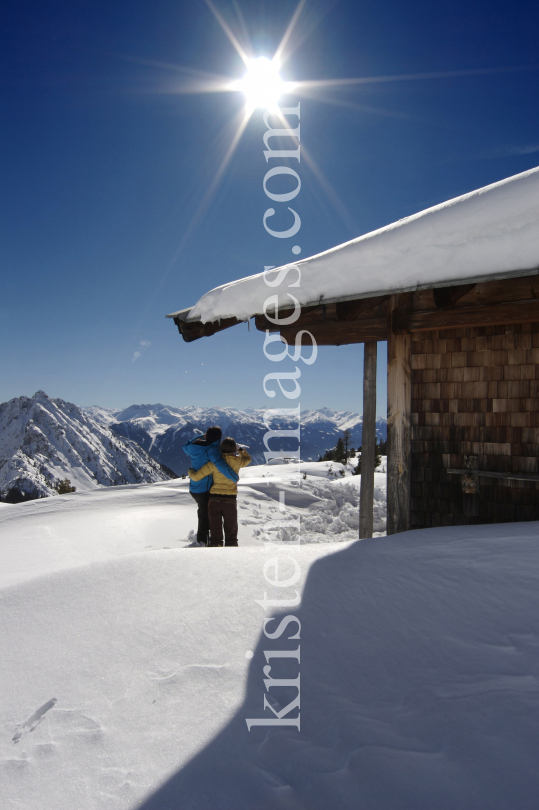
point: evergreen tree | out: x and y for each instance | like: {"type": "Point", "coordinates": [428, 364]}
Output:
{"type": "Point", "coordinates": [377, 459]}
{"type": "Point", "coordinates": [340, 453]}
{"type": "Point", "coordinates": [17, 495]}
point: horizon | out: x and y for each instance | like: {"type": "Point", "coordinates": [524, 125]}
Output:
{"type": "Point", "coordinates": [179, 407]}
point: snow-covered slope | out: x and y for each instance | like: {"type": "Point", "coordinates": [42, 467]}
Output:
{"type": "Point", "coordinates": [128, 673]}
{"type": "Point", "coordinates": [163, 430]}
{"type": "Point", "coordinates": [43, 441]}
{"type": "Point", "coordinates": [493, 231]}
{"type": "Point", "coordinates": [103, 415]}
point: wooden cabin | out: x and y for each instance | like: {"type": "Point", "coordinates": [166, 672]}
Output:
{"type": "Point", "coordinates": [454, 291]}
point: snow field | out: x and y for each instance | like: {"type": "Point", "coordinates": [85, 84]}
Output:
{"type": "Point", "coordinates": [128, 669]}
{"type": "Point", "coordinates": [67, 531]}
{"type": "Point", "coordinates": [107, 613]}
{"type": "Point", "coordinates": [145, 656]}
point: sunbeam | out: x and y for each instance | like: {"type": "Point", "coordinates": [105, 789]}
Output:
{"type": "Point", "coordinates": [288, 33]}
{"type": "Point", "coordinates": [323, 182]}
{"type": "Point", "coordinates": [408, 77]}
{"type": "Point", "coordinates": [201, 80]}
{"type": "Point", "coordinates": [360, 107]}
{"type": "Point", "coordinates": [203, 206]}
{"type": "Point", "coordinates": [328, 189]}
{"type": "Point", "coordinates": [242, 23]}
{"type": "Point", "coordinates": [221, 170]}
{"type": "Point", "coordinates": [229, 33]}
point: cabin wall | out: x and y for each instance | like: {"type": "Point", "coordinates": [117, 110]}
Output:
{"type": "Point", "coordinates": [475, 391]}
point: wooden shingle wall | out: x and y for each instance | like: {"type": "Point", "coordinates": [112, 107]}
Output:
{"type": "Point", "coordinates": [475, 391]}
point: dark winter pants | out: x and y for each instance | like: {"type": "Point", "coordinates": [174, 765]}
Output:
{"type": "Point", "coordinates": [223, 510]}
{"type": "Point", "coordinates": [203, 530]}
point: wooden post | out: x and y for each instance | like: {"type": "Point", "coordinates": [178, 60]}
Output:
{"type": "Point", "coordinates": [368, 440]}
{"type": "Point", "coordinates": [399, 405]}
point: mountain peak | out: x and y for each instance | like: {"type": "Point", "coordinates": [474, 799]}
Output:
{"type": "Point", "coordinates": [163, 433]}
{"type": "Point", "coordinates": [46, 440]}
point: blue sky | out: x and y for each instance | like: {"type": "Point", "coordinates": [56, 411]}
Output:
{"type": "Point", "coordinates": [104, 165]}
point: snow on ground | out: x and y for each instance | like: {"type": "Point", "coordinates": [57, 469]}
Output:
{"type": "Point", "coordinates": [128, 669]}
{"type": "Point", "coordinates": [328, 494]}
{"type": "Point", "coordinates": [81, 528]}
{"type": "Point", "coordinates": [491, 231]}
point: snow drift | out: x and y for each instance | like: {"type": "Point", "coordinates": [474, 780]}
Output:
{"type": "Point", "coordinates": [126, 683]}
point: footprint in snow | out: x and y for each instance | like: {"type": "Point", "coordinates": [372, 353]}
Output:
{"type": "Point", "coordinates": [33, 721]}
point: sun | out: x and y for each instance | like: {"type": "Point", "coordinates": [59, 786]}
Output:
{"type": "Point", "coordinates": [262, 85]}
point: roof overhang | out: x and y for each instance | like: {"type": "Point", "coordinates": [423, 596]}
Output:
{"type": "Point", "coordinates": [487, 235]}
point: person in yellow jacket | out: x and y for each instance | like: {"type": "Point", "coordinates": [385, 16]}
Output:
{"type": "Point", "coordinates": [222, 507]}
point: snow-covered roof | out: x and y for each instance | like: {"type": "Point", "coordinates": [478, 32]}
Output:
{"type": "Point", "coordinates": [492, 232]}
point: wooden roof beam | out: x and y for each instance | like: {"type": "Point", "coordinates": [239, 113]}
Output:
{"type": "Point", "coordinates": [357, 321]}
{"type": "Point", "coordinates": [339, 334]}
{"type": "Point", "coordinates": [448, 296]}
{"type": "Point", "coordinates": [405, 321]}
{"type": "Point", "coordinates": [195, 330]}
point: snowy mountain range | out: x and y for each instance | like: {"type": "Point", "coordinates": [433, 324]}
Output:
{"type": "Point", "coordinates": [162, 430]}
{"type": "Point", "coordinates": [44, 440]}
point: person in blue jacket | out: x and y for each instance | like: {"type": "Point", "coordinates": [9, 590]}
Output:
{"type": "Point", "coordinates": [202, 449]}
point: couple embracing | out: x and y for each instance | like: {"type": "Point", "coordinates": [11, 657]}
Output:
{"type": "Point", "coordinates": [214, 477]}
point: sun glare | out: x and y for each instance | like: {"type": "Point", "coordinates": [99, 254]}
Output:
{"type": "Point", "coordinates": [263, 87]}
{"type": "Point", "coordinates": [262, 84]}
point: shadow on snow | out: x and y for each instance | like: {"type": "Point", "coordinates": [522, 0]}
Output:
{"type": "Point", "coordinates": [418, 664]}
